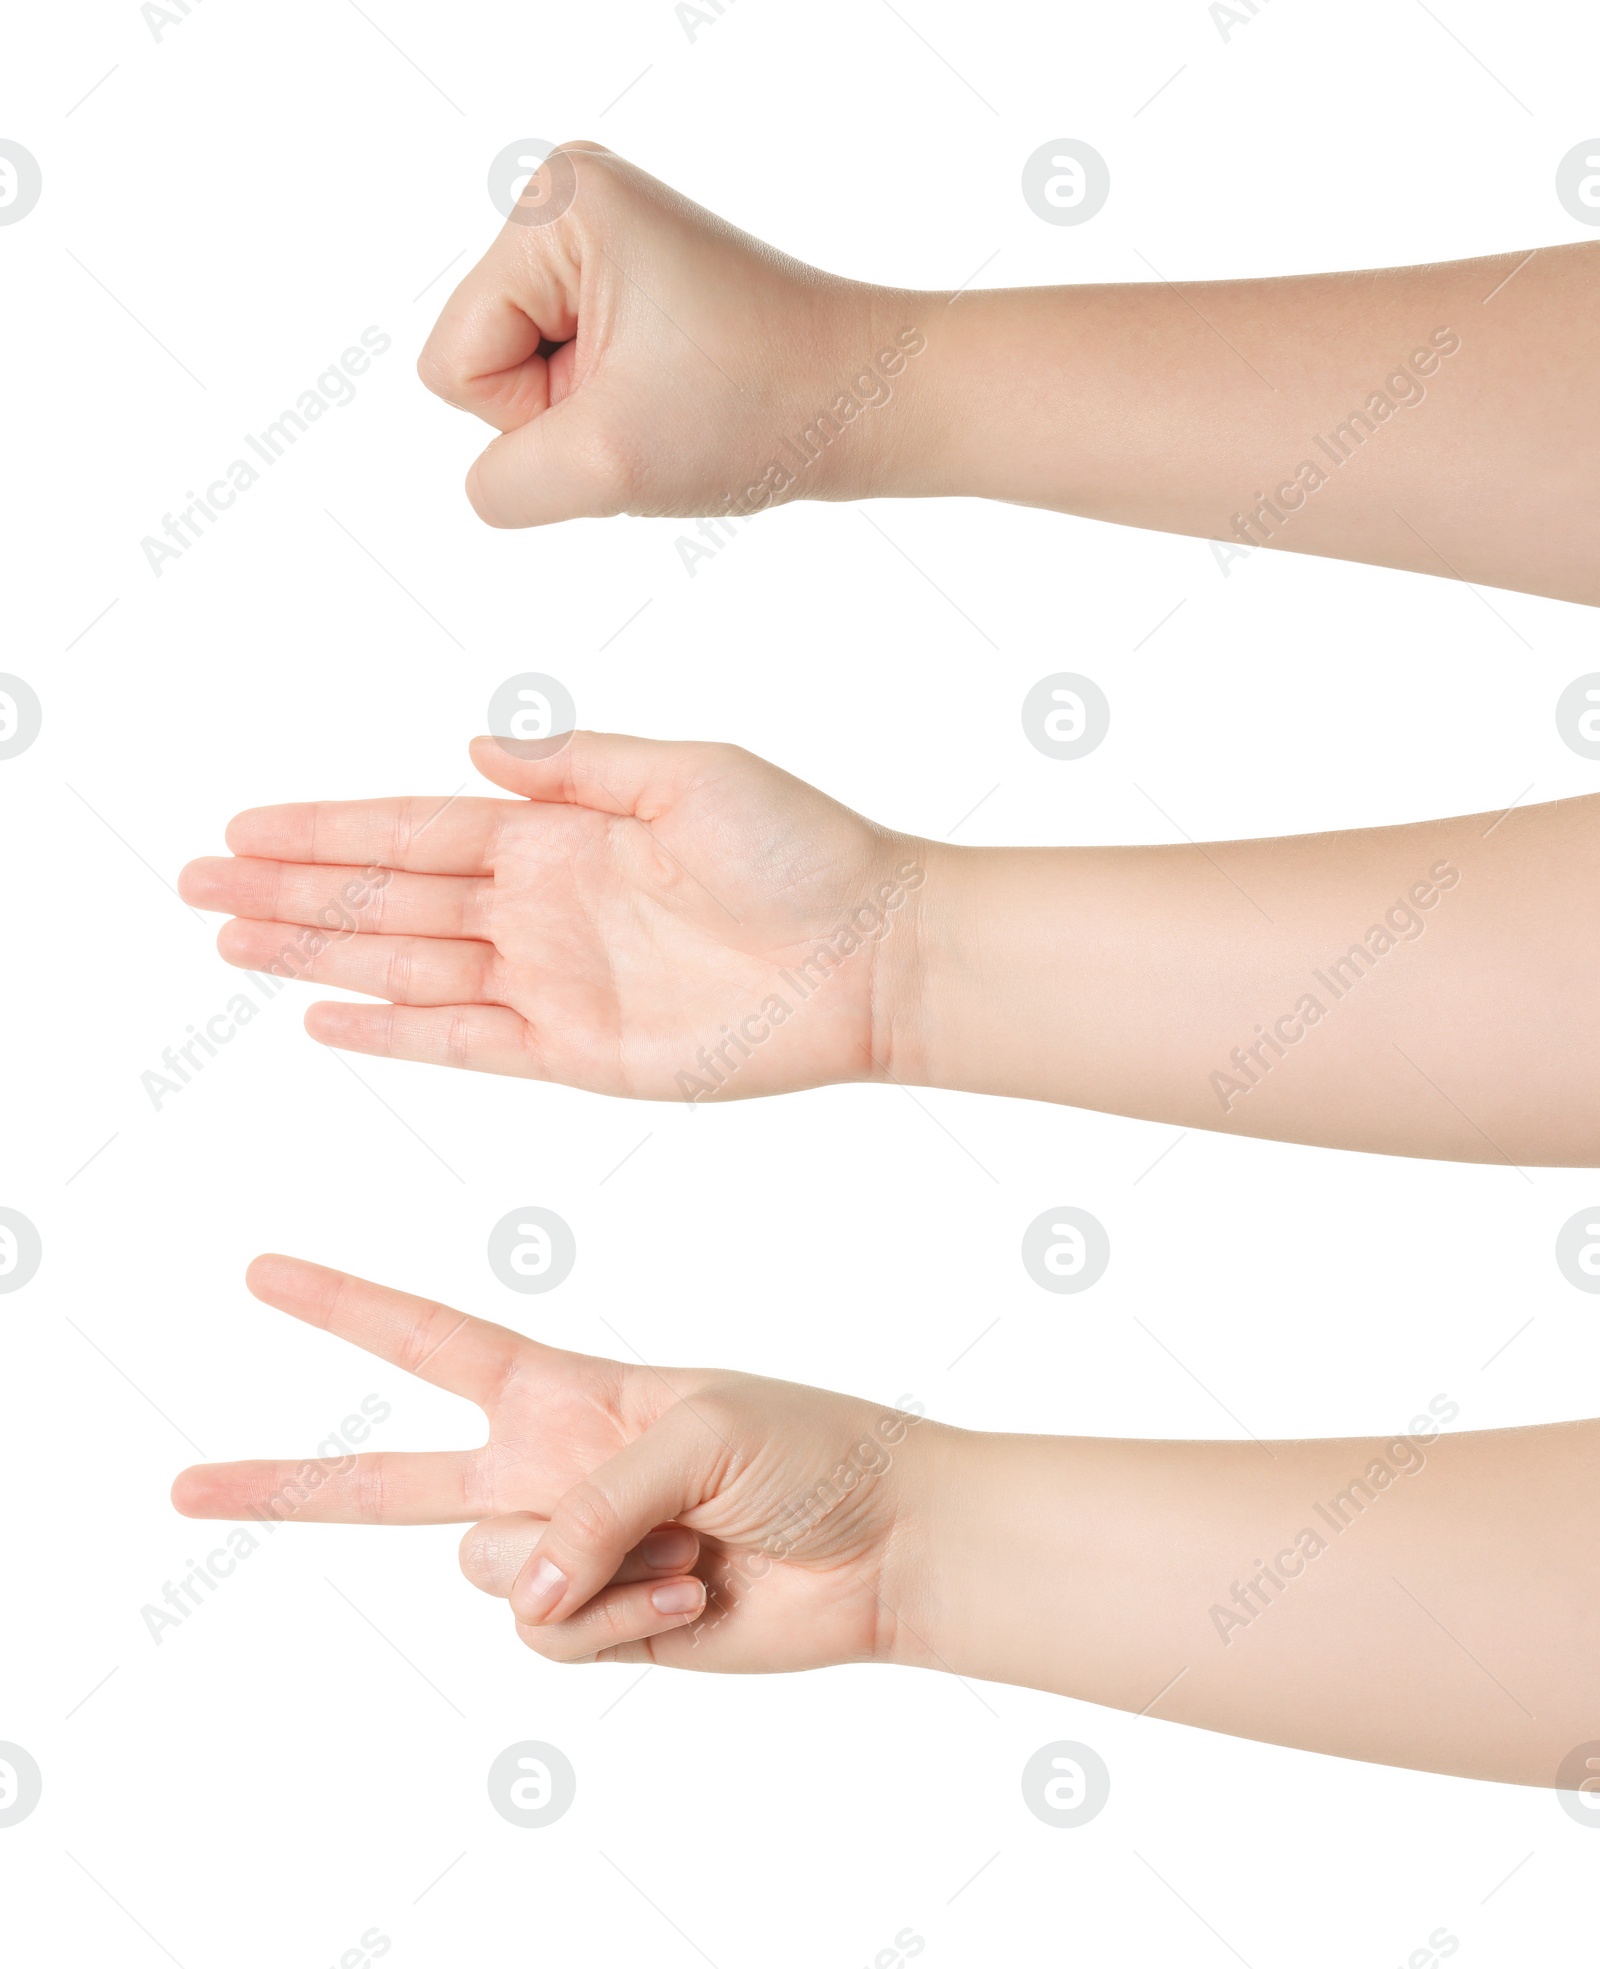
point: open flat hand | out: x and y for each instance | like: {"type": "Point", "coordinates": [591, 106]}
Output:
{"type": "Point", "coordinates": [665, 921]}
{"type": "Point", "coordinates": [689, 1517]}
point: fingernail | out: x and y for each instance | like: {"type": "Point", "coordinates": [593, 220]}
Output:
{"type": "Point", "coordinates": [678, 1596]}
{"type": "Point", "coordinates": [539, 1593]}
{"type": "Point", "coordinates": [666, 1548]}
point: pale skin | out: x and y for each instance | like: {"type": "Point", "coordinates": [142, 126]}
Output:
{"type": "Point", "coordinates": [632, 920]}
{"type": "Point", "coordinates": [638, 354]}
{"type": "Point", "coordinates": [713, 1520]}
{"type": "Point", "coordinates": [628, 920]}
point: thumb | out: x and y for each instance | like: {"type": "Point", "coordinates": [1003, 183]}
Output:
{"type": "Point", "coordinates": [565, 463]}
{"type": "Point", "coordinates": [608, 771]}
{"type": "Point", "coordinates": [678, 1463]}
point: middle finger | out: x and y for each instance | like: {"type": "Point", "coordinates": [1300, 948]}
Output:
{"type": "Point", "coordinates": [495, 1551]}
{"type": "Point", "coordinates": [337, 899]}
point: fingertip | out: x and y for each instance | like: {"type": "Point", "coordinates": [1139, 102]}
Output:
{"type": "Point", "coordinates": [500, 767]}
{"type": "Point", "coordinates": [669, 1548]}
{"type": "Point", "coordinates": [684, 1597]}
{"type": "Point", "coordinates": [238, 830]}
{"type": "Point", "coordinates": [329, 1021]}
{"type": "Point", "coordinates": [188, 1490]}
{"type": "Point", "coordinates": [197, 881]}
{"type": "Point", "coordinates": [478, 497]}
{"type": "Point", "coordinates": [488, 756]}
{"type": "Point", "coordinates": [266, 1274]}
{"type": "Point", "coordinates": [538, 1590]}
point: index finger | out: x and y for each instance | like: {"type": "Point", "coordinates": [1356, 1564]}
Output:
{"type": "Point", "coordinates": [486, 352]}
{"type": "Point", "coordinates": [469, 1357]}
{"type": "Point", "coordinates": [443, 836]}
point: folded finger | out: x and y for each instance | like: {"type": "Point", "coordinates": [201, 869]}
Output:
{"type": "Point", "coordinates": [655, 1479]}
{"type": "Point", "coordinates": [484, 1038]}
{"type": "Point", "coordinates": [430, 836]}
{"type": "Point", "coordinates": [484, 353]}
{"type": "Point", "coordinates": [622, 1617]}
{"type": "Point", "coordinates": [334, 898]}
{"type": "Point", "coordinates": [405, 970]}
{"type": "Point", "coordinates": [495, 1551]}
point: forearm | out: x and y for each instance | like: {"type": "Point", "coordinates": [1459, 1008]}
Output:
{"type": "Point", "coordinates": [1439, 418]}
{"type": "Point", "coordinates": [1428, 1600]}
{"type": "Point", "coordinates": [1421, 990]}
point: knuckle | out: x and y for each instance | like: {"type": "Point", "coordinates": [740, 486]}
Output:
{"type": "Point", "coordinates": [403, 833]}
{"type": "Point", "coordinates": [555, 1644]}
{"type": "Point", "coordinates": [610, 1624]}
{"type": "Point", "coordinates": [437, 372]}
{"type": "Point", "coordinates": [370, 1480]}
{"type": "Point", "coordinates": [610, 467]}
{"type": "Point", "coordinates": [588, 1520]}
{"type": "Point", "coordinates": [475, 1555]}
{"type": "Point", "coordinates": [426, 1334]}
{"type": "Point", "coordinates": [398, 971]}
{"type": "Point", "coordinates": [458, 1040]}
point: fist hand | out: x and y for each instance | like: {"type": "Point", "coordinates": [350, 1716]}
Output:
{"type": "Point", "coordinates": [639, 355]}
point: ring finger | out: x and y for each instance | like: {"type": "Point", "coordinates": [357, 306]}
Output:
{"type": "Point", "coordinates": [616, 1622]}
{"type": "Point", "coordinates": [404, 970]}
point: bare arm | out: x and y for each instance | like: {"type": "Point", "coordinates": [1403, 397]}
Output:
{"type": "Point", "coordinates": [685, 922]}
{"type": "Point", "coordinates": [1422, 990]}
{"type": "Point", "coordinates": [1424, 1599]}
{"type": "Point", "coordinates": [1443, 418]}
{"type": "Point", "coordinates": [1440, 418]}
{"type": "Point", "coordinates": [1428, 1600]}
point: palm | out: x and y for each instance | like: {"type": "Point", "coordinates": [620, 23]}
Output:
{"type": "Point", "coordinates": [631, 946]}
{"type": "Point", "coordinates": [665, 921]}
{"type": "Point", "coordinates": [793, 1579]}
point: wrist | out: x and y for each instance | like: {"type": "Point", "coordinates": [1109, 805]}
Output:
{"type": "Point", "coordinates": [925, 980]}
{"type": "Point", "coordinates": [910, 893]}
{"type": "Point", "coordinates": [870, 423]}
{"type": "Point", "coordinates": [924, 1579]}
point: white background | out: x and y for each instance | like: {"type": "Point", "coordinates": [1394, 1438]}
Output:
{"type": "Point", "coordinates": [272, 1780]}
